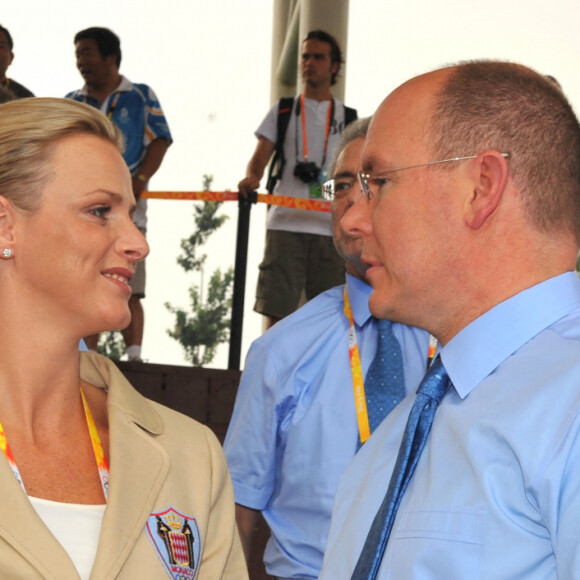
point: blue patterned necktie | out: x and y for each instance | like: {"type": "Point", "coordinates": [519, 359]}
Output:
{"type": "Point", "coordinates": [430, 392]}
{"type": "Point", "coordinates": [385, 381]}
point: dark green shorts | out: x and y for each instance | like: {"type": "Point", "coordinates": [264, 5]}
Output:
{"type": "Point", "coordinates": [295, 264]}
{"type": "Point", "coordinates": [137, 283]}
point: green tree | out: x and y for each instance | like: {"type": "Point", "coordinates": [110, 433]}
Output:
{"type": "Point", "coordinates": [207, 324]}
{"type": "Point", "coordinates": [111, 344]}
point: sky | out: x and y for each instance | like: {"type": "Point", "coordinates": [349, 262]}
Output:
{"type": "Point", "coordinates": [209, 64]}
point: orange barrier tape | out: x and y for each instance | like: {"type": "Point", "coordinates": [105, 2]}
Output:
{"type": "Point", "coordinates": [192, 195]}
{"type": "Point", "coordinates": [282, 200]}
{"type": "Point", "coordinates": [296, 202]}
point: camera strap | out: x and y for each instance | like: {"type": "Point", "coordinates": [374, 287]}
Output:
{"type": "Point", "coordinates": [329, 121]}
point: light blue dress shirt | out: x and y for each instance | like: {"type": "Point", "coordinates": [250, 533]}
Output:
{"type": "Point", "coordinates": [294, 426]}
{"type": "Point", "coordinates": [496, 492]}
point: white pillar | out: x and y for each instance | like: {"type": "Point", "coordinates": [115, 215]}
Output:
{"type": "Point", "coordinates": [281, 70]}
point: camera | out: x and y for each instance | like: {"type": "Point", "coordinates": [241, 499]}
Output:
{"type": "Point", "coordinates": [307, 171]}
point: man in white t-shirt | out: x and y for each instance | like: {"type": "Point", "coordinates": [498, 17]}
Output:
{"type": "Point", "coordinates": [300, 257]}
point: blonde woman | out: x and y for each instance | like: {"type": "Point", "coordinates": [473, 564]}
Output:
{"type": "Point", "coordinates": [96, 480]}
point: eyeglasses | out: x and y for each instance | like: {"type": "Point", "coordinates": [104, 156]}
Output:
{"type": "Point", "coordinates": [371, 184]}
{"type": "Point", "coordinates": [337, 188]}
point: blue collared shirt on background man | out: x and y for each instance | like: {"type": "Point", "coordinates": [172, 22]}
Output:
{"type": "Point", "coordinates": [136, 111]}
{"type": "Point", "coordinates": [496, 493]}
{"type": "Point", "coordinates": [294, 426]}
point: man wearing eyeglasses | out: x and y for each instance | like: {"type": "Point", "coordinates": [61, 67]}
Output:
{"type": "Point", "coordinates": [295, 424]}
{"type": "Point", "coordinates": [470, 226]}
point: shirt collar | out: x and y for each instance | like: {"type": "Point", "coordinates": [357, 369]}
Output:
{"type": "Point", "coordinates": [358, 295]}
{"type": "Point", "coordinates": [488, 341]}
{"type": "Point", "coordinates": [124, 85]}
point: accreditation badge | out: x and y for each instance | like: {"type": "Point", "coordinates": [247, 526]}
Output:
{"type": "Point", "coordinates": [314, 191]}
{"type": "Point", "coordinates": [177, 542]}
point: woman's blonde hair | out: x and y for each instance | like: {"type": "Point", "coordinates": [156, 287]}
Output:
{"type": "Point", "coordinates": [30, 129]}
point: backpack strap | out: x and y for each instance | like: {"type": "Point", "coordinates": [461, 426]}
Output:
{"type": "Point", "coordinates": [285, 107]}
{"type": "Point", "coordinates": [278, 162]}
{"type": "Point", "coordinates": [350, 115]}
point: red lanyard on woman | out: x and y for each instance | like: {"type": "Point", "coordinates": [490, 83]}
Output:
{"type": "Point", "coordinates": [102, 464]}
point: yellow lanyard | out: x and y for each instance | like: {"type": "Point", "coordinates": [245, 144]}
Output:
{"type": "Point", "coordinates": [360, 400]}
{"type": "Point", "coordinates": [113, 105]}
{"type": "Point", "coordinates": [101, 459]}
{"type": "Point", "coordinates": [102, 464]}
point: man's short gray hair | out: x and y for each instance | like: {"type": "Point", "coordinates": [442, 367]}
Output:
{"type": "Point", "coordinates": [356, 130]}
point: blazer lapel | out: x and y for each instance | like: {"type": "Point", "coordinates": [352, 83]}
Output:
{"type": "Point", "coordinates": [138, 467]}
{"type": "Point", "coordinates": [25, 532]}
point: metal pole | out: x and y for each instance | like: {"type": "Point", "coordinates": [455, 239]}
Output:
{"type": "Point", "coordinates": [237, 322]}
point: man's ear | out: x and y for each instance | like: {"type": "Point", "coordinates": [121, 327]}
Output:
{"type": "Point", "coordinates": [112, 60]}
{"type": "Point", "coordinates": [7, 223]}
{"type": "Point", "coordinates": [490, 175]}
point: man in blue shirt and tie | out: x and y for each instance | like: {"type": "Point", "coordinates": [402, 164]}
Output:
{"type": "Point", "coordinates": [470, 226]}
{"type": "Point", "coordinates": [299, 418]}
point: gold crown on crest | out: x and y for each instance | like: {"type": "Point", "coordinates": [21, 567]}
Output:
{"type": "Point", "coordinates": [173, 521]}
